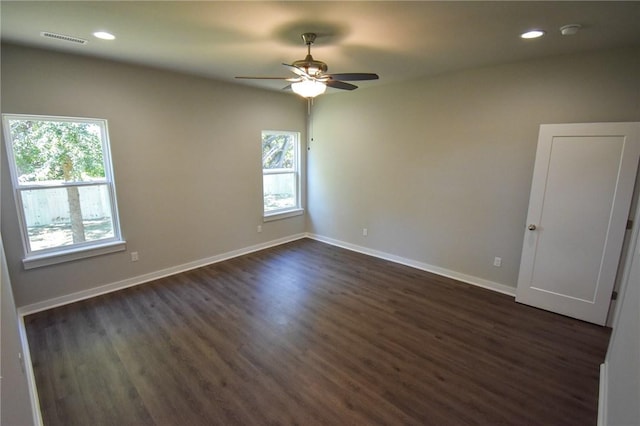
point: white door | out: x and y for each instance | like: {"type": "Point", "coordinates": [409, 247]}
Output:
{"type": "Point", "coordinates": [578, 210]}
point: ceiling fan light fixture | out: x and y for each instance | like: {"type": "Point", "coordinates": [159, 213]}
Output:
{"type": "Point", "coordinates": [309, 88]}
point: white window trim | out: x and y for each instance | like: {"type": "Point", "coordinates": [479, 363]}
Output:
{"type": "Point", "coordinates": [55, 255]}
{"type": "Point", "coordinates": [280, 214]}
{"type": "Point", "coordinates": [76, 253]}
{"type": "Point", "coordinates": [288, 212]}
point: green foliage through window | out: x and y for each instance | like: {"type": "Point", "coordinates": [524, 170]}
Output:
{"type": "Point", "coordinates": [57, 150]}
{"type": "Point", "coordinates": [277, 151]}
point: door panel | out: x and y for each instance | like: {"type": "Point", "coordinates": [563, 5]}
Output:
{"type": "Point", "coordinates": [580, 197]}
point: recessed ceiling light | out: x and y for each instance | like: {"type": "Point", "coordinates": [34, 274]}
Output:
{"type": "Point", "coordinates": [532, 34]}
{"type": "Point", "coordinates": [104, 35]}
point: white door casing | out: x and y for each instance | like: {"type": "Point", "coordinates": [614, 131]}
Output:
{"type": "Point", "coordinates": [581, 193]}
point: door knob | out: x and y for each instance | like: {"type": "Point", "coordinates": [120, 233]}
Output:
{"type": "Point", "coordinates": [531, 227]}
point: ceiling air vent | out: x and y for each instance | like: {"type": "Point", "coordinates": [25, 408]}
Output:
{"type": "Point", "coordinates": [63, 37]}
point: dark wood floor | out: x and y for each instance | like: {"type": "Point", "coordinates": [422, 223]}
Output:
{"type": "Point", "coordinates": [306, 333]}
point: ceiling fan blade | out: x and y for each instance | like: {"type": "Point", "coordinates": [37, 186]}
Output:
{"type": "Point", "coordinates": [353, 76]}
{"type": "Point", "coordinates": [297, 70]}
{"type": "Point", "coordinates": [336, 84]}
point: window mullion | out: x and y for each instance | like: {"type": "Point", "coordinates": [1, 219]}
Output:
{"type": "Point", "coordinates": [277, 171]}
{"type": "Point", "coordinates": [62, 185]}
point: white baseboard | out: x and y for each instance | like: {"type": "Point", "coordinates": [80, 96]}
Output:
{"type": "Point", "coordinates": [602, 395]}
{"type": "Point", "coordinates": [28, 369]}
{"type": "Point", "coordinates": [141, 279]}
{"type": "Point", "coordinates": [469, 279]}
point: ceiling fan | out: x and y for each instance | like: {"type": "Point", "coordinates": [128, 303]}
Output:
{"type": "Point", "coordinates": [312, 78]}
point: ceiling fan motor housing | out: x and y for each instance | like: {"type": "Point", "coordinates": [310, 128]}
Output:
{"type": "Point", "coordinates": [311, 66]}
{"type": "Point", "coordinates": [308, 64]}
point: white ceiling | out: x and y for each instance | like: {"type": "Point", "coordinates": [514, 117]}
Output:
{"type": "Point", "coordinates": [397, 40]}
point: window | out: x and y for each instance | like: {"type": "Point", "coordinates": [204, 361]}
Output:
{"type": "Point", "coordinates": [281, 174]}
{"type": "Point", "coordinates": [63, 185]}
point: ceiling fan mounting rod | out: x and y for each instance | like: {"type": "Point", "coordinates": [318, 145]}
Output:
{"type": "Point", "coordinates": [308, 39]}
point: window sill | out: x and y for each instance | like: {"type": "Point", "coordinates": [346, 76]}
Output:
{"type": "Point", "coordinates": [282, 215]}
{"type": "Point", "coordinates": [38, 261]}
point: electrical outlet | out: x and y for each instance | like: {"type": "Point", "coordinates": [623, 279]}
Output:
{"type": "Point", "coordinates": [365, 232]}
{"type": "Point", "coordinates": [259, 228]}
{"type": "Point", "coordinates": [497, 262]}
{"type": "Point", "coordinates": [134, 256]}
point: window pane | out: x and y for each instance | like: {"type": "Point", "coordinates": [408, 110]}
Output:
{"type": "Point", "coordinates": [57, 217]}
{"type": "Point", "coordinates": [50, 152]}
{"type": "Point", "coordinates": [278, 151]}
{"type": "Point", "coordinates": [279, 191]}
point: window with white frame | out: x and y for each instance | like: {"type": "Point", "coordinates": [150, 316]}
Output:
{"type": "Point", "coordinates": [63, 184]}
{"type": "Point", "coordinates": [281, 173]}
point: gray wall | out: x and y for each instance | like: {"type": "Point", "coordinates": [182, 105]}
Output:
{"type": "Point", "coordinates": [186, 156]}
{"type": "Point", "coordinates": [439, 169]}
{"type": "Point", "coordinates": [14, 392]}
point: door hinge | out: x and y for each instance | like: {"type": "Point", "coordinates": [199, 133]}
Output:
{"type": "Point", "coordinates": [629, 224]}
{"type": "Point", "coordinates": [614, 295]}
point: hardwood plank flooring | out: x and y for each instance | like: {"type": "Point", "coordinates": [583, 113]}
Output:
{"type": "Point", "coordinates": [310, 334]}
